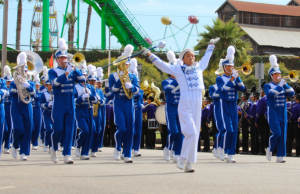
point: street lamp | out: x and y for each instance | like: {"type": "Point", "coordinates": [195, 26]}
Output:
{"type": "Point", "coordinates": [110, 28]}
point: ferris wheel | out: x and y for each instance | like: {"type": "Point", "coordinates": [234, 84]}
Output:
{"type": "Point", "coordinates": [168, 23]}
{"type": "Point", "coordinates": [37, 26]}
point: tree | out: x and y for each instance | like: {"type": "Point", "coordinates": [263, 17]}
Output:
{"type": "Point", "coordinates": [71, 19]}
{"type": "Point", "coordinates": [88, 22]}
{"type": "Point", "coordinates": [230, 34]}
{"type": "Point", "coordinates": [72, 26]}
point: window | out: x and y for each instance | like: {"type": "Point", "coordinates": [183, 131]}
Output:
{"type": "Point", "coordinates": [288, 21]}
{"type": "Point", "coordinates": [255, 18]}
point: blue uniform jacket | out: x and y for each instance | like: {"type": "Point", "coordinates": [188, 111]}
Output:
{"type": "Point", "coordinates": [295, 113]}
{"type": "Point", "coordinates": [172, 90]}
{"type": "Point", "coordinates": [46, 97]}
{"type": "Point", "coordinates": [15, 97]}
{"type": "Point", "coordinates": [61, 84]}
{"type": "Point", "coordinates": [261, 108]}
{"type": "Point", "coordinates": [138, 99]}
{"type": "Point", "coordinates": [229, 88]}
{"type": "Point", "coordinates": [214, 92]}
{"type": "Point", "coordinates": [252, 111]}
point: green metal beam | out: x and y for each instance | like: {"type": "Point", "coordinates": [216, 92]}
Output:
{"type": "Point", "coordinates": [64, 22]}
{"type": "Point", "coordinates": [46, 30]}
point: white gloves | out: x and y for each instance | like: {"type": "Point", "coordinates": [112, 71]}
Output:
{"type": "Point", "coordinates": [235, 74]}
{"type": "Point", "coordinates": [282, 82]}
{"type": "Point", "coordinates": [26, 84]}
{"type": "Point", "coordinates": [161, 44]}
{"type": "Point", "coordinates": [88, 91]}
{"type": "Point", "coordinates": [145, 51]}
{"type": "Point", "coordinates": [214, 41]}
{"type": "Point", "coordinates": [69, 68]}
{"type": "Point", "coordinates": [50, 104]}
{"type": "Point", "coordinates": [128, 85]}
{"type": "Point", "coordinates": [5, 93]}
{"type": "Point", "coordinates": [85, 96]}
{"type": "Point", "coordinates": [121, 73]}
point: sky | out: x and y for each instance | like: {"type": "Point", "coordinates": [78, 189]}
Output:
{"type": "Point", "coordinates": [147, 12]}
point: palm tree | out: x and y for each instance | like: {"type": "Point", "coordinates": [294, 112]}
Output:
{"type": "Point", "coordinates": [71, 19]}
{"type": "Point", "coordinates": [88, 22]}
{"type": "Point", "coordinates": [19, 23]}
{"type": "Point", "coordinates": [230, 34]}
{"type": "Point", "coordinates": [73, 26]}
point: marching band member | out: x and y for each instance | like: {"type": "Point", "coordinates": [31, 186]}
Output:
{"type": "Point", "coordinates": [43, 89]}
{"type": "Point", "coordinates": [3, 94]}
{"type": "Point", "coordinates": [84, 96]}
{"type": "Point", "coordinates": [7, 105]}
{"type": "Point", "coordinates": [239, 112]}
{"type": "Point", "coordinates": [251, 117]}
{"type": "Point", "coordinates": [21, 113]}
{"type": "Point", "coordinates": [261, 121]}
{"type": "Point", "coordinates": [295, 115]}
{"type": "Point", "coordinates": [204, 126]}
{"type": "Point", "coordinates": [246, 107]}
{"type": "Point", "coordinates": [63, 80]}
{"type": "Point", "coordinates": [150, 109]}
{"type": "Point", "coordinates": [47, 105]}
{"type": "Point", "coordinates": [230, 83]}
{"type": "Point", "coordinates": [123, 108]}
{"type": "Point", "coordinates": [276, 92]}
{"type": "Point", "coordinates": [172, 93]}
{"type": "Point", "coordinates": [290, 129]}
{"type": "Point", "coordinates": [110, 124]}
{"type": "Point", "coordinates": [138, 120]}
{"type": "Point", "coordinates": [102, 108]}
{"type": "Point", "coordinates": [190, 79]}
{"type": "Point", "coordinates": [37, 113]}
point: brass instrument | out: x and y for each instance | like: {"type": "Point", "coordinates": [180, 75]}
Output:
{"type": "Point", "coordinates": [124, 78]}
{"type": "Point", "coordinates": [34, 66]}
{"type": "Point", "coordinates": [293, 76]}
{"type": "Point", "coordinates": [95, 109]}
{"type": "Point", "coordinates": [246, 69]}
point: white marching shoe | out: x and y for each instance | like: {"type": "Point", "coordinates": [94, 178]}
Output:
{"type": "Point", "coordinates": [100, 150]}
{"type": "Point", "coordinates": [136, 153]}
{"type": "Point", "coordinates": [122, 156]}
{"type": "Point", "coordinates": [93, 154]}
{"type": "Point", "coordinates": [172, 154]}
{"type": "Point", "coordinates": [84, 157]}
{"type": "Point", "coordinates": [72, 148]}
{"type": "Point", "coordinates": [40, 143]}
{"type": "Point", "coordinates": [68, 159]}
{"type": "Point", "coordinates": [175, 159]}
{"type": "Point", "coordinates": [269, 154]}
{"type": "Point", "coordinates": [215, 152]}
{"type": "Point", "coordinates": [166, 154]}
{"type": "Point", "coordinates": [116, 154]}
{"type": "Point", "coordinates": [180, 163]}
{"type": "Point", "coordinates": [128, 160]}
{"type": "Point", "coordinates": [14, 152]}
{"type": "Point", "coordinates": [53, 155]}
{"type": "Point", "coordinates": [34, 148]}
{"type": "Point", "coordinates": [230, 159]}
{"type": "Point", "coordinates": [221, 155]}
{"type": "Point", "coordinates": [23, 157]}
{"type": "Point", "coordinates": [6, 151]}
{"type": "Point", "coordinates": [188, 168]}
{"type": "Point", "coordinates": [77, 152]}
{"type": "Point", "coordinates": [280, 160]}
{"type": "Point", "coordinates": [45, 148]}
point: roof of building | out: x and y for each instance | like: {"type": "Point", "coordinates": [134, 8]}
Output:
{"type": "Point", "coordinates": [264, 8]}
{"type": "Point", "coordinates": [297, 1]}
{"type": "Point", "coordinates": [271, 36]}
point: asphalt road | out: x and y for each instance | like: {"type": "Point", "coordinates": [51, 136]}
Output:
{"type": "Point", "coordinates": [147, 174]}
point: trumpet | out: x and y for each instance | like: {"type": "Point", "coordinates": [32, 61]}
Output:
{"type": "Point", "coordinates": [246, 69]}
{"type": "Point", "coordinates": [293, 76]}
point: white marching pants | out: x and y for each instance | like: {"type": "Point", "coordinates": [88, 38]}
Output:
{"type": "Point", "coordinates": [189, 110]}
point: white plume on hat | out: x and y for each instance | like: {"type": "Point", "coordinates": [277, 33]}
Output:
{"type": "Point", "coordinates": [273, 62]}
{"type": "Point", "coordinates": [128, 50]}
{"type": "Point", "coordinates": [133, 66]}
{"type": "Point", "coordinates": [230, 53]}
{"type": "Point", "coordinates": [23, 57]}
{"type": "Point", "coordinates": [36, 78]}
{"type": "Point", "coordinates": [92, 70]}
{"type": "Point", "coordinates": [62, 44]}
{"type": "Point", "coordinates": [7, 71]}
{"type": "Point", "coordinates": [221, 64]}
{"type": "Point", "coordinates": [171, 57]}
{"type": "Point", "coordinates": [99, 72]}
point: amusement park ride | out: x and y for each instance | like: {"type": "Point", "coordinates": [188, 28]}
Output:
{"type": "Point", "coordinates": [113, 13]}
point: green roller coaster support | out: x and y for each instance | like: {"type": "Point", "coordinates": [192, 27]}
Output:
{"type": "Point", "coordinates": [46, 30]}
{"type": "Point", "coordinates": [114, 13]}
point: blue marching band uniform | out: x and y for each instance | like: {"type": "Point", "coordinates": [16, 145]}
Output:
{"type": "Point", "coordinates": [62, 112]}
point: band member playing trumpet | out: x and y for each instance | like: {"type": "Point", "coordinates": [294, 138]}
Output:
{"type": "Point", "coordinates": [277, 91]}
{"type": "Point", "coordinates": [190, 79]}
{"type": "Point", "coordinates": [63, 80]}
{"type": "Point", "coordinates": [21, 112]}
{"type": "Point", "coordinates": [230, 83]}
{"type": "Point", "coordinates": [124, 85]}
{"type": "Point", "coordinates": [172, 93]}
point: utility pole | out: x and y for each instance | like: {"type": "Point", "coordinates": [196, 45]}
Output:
{"type": "Point", "coordinates": [4, 36]}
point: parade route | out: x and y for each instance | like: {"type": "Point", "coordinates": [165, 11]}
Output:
{"type": "Point", "coordinates": [148, 174]}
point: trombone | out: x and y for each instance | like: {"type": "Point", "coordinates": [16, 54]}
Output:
{"type": "Point", "coordinates": [293, 76]}
{"type": "Point", "coordinates": [246, 69]}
